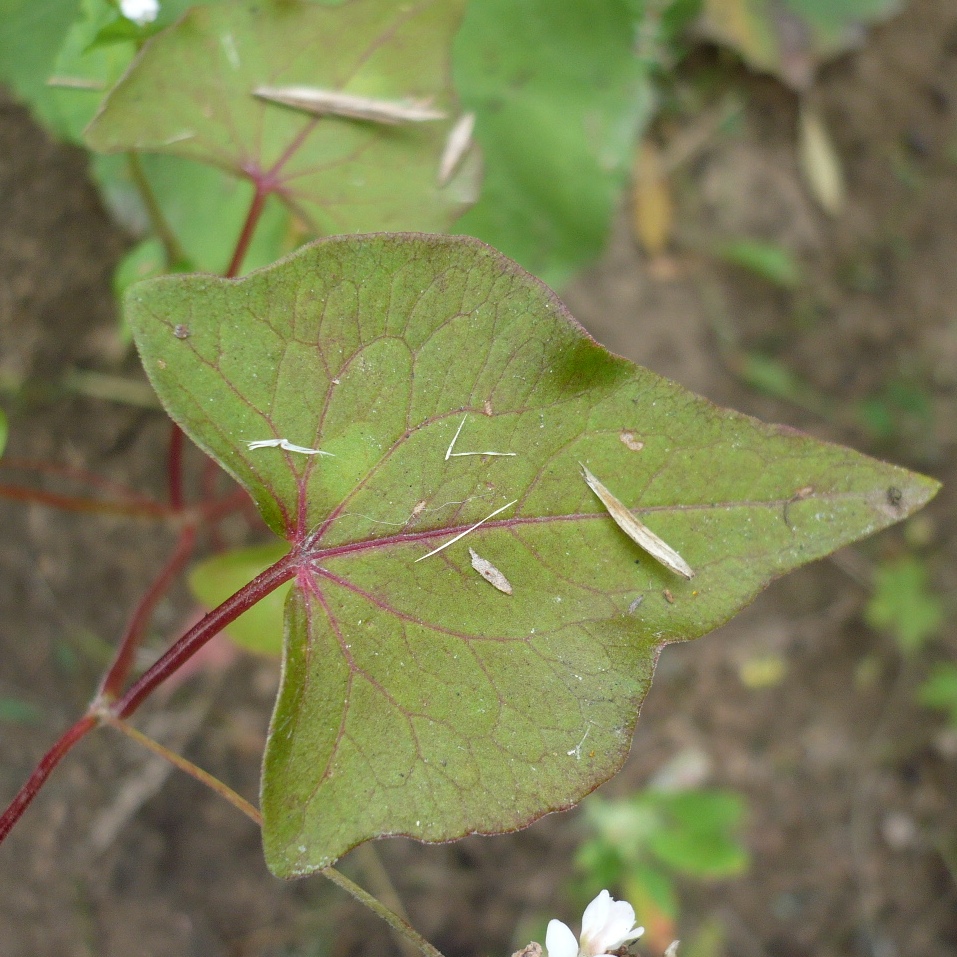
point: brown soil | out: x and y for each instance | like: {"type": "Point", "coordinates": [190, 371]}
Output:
{"type": "Point", "coordinates": [850, 783]}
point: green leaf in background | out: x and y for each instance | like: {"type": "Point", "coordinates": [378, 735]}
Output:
{"type": "Point", "coordinates": [144, 261]}
{"type": "Point", "coordinates": [212, 581]}
{"type": "Point", "coordinates": [791, 38]}
{"type": "Point", "coordinates": [416, 698]}
{"type": "Point", "coordinates": [773, 377]}
{"type": "Point", "coordinates": [651, 891]}
{"type": "Point", "coordinates": [693, 832]}
{"type": "Point", "coordinates": [700, 836]}
{"type": "Point", "coordinates": [940, 690]}
{"type": "Point", "coordinates": [767, 260]}
{"type": "Point", "coordinates": [903, 603]}
{"type": "Point", "coordinates": [902, 408]}
{"type": "Point", "coordinates": [31, 35]}
{"type": "Point", "coordinates": [84, 70]}
{"type": "Point", "coordinates": [62, 40]}
{"type": "Point", "coordinates": [560, 98]}
{"type": "Point", "coordinates": [3, 431]}
{"type": "Point", "coordinates": [17, 711]}
{"type": "Point", "coordinates": [599, 862]}
{"type": "Point", "coordinates": [204, 207]}
{"type": "Point", "coordinates": [190, 94]}
{"type": "Point", "coordinates": [639, 844]}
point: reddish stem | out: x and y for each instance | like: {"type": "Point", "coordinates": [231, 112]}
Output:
{"type": "Point", "coordinates": [179, 653]}
{"type": "Point", "coordinates": [115, 678]}
{"type": "Point", "coordinates": [199, 634]}
{"type": "Point", "coordinates": [174, 466]}
{"type": "Point", "coordinates": [213, 511]}
{"type": "Point", "coordinates": [249, 227]}
{"type": "Point", "coordinates": [73, 474]}
{"type": "Point", "coordinates": [144, 508]}
{"type": "Point", "coordinates": [203, 631]}
{"type": "Point", "coordinates": [42, 771]}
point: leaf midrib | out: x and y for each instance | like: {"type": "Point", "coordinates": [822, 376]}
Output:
{"type": "Point", "coordinates": [310, 553]}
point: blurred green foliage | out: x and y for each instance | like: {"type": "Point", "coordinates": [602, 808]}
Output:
{"type": "Point", "coordinates": [903, 603]}
{"type": "Point", "coordinates": [940, 691]}
{"type": "Point", "coordinates": [643, 843]}
{"type": "Point", "coordinates": [767, 260]}
{"type": "Point", "coordinates": [561, 95]}
{"type": "Point", "coordinates": [18, 711]}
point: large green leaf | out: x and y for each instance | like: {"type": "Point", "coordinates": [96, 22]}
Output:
{"type": "Point", "coordinates": [190, 94]}
{"type": "Point", "coordinates": [791, 38]}
{"type": "Point", "coordinates": [416, 698]}
{"type": "Point", "coordinates": [560, 98]}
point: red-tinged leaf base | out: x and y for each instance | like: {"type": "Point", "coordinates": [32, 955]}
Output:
{"type": "Point", "coordinates": [416, 698]}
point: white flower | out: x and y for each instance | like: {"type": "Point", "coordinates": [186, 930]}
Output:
{"type": "Point", "coordinates": [140, 12]}
{"type": "Point", "coordinates": [606, 925]}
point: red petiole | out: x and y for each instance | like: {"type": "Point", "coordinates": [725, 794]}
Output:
{"type": "Point", "coordinates": [109, 702]}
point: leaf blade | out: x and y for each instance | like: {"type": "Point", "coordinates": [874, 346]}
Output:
{"type": "Point", "coordinates": [415, 700]}
{"type": "Point", "coordinates": [190, 93]}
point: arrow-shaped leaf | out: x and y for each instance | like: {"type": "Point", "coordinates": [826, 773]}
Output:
{"type": "Point", "coordinates": [416, 698]}
{"type": "Point", "coordinates": [190, 93]}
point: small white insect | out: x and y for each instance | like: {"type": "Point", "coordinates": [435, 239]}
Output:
{"type": "Point", "coordinates": [287, 445]}
{"type": "Point", "coordinates": [229, 48]}
{"type": "Point", "coordinates": [490, 573]}
{"type": "Point", "coordinates": [319, 102]}
{"type": "Point", "coordinates": [456, 146]}
{"type": "Point", "coordinates": [638, 533]}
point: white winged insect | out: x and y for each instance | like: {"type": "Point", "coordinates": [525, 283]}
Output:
{"type": "Point", "coordinates": [286, 445]}
{"type": "Point", "coordinates": [456, 146]}
{"type": "Point", "coordinates": [636, 531]}
{"type": "Point", "coordinates": [320, 102]}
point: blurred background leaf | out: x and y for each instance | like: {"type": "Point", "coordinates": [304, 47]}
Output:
{"type": "Point", "coordinates": [792, 38]}
{"type": "Point", "coordinates": [940, 691]}
{"type": "Point", "coordinates": [767, 260]}
{"type": "Point", "coordinates": [212, 581]}
{"type": "Point", "coordinates": [646, 843]}
{"type": "Point", "coordinates": [904, 604]}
